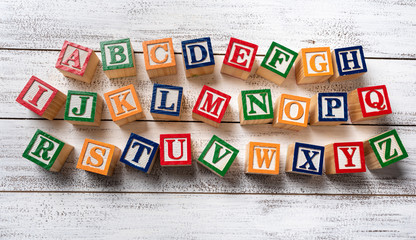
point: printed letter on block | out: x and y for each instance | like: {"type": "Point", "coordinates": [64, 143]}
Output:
{"type": "Point", "coordinates": [198, 57]}
{"type": "Point", "coordinates": [140, 153]}
{"type": "Point", "coordinates": [314, 65]}
{"type": "Point", "coordinates": [118, 58]}
{"type": "Point", "coordinates": [175, 150]}
{"type": "Point", "coordinates": [291, 112]}
{"type": "Point", "coordinates": [255, 106]}
{"type": "Point", "coordinates": [83, 108]}
{"type": "Point", "coordinates": [262, 158]}
{"type": "Point", "coordinates": [159, 57]}
{"type": "Point", "coordinates": [239, 58]}
{"type": "Point", "coordinates": [349, 63]}
{"type": "Point", "coordinates": [329, 109]}
{"type": "Point", "coordinates": [166, 102]}
{"type": "Point", "coordinates": [347, 157]}
{"type": "Point", "coordinates": [305, 159]}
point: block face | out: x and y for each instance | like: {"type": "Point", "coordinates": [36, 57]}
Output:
{"type": "Point", "coordinates": [80, 106]}
{"type": "Point", "coordinates": [257, 104]}
{"type": "Point", "coordinates": [211, 104]}
{"type": "Point", "coordinates": [350, 60]}
{"type": "Point", "coordinates": [74, 58]}
{"type": "Point", "coordinates": [263, 158]}
{"type": "Point", "coordinates": [96, 156]}
{"type": "Point", "coordinates": [158, 53]}
{"type": "Point", "coordinates": [317, 61]}
{"type": "Point", "coordinates": [388, 148]}
{"type": "Point", "coordinates": [117, 54]}
{"type": "Point", "coordinates": [198, 53]}
{"type": "Point", "coordinates": [332, 107]}
{"type": "Point", "coordinates": [294, 110]}
{"type": "Point", "coordinates": [166, 99]}
{"type": "Point", "coordinates": [123, 102]}
{"type": "Point", "coordinates": [240, 54]}
{"type": "Point", "coordinates": [175, 149]}
{"type": "Point", "coordinates": [349, 157]}
{"type": "Point", "coordinates": [374, 101]}
{"type": "Point", "coordinates": [308, 159]}
{"type": "Point", "coordinates": [139, 153]}
{"type": "Point", "coordinates": [279, 59]}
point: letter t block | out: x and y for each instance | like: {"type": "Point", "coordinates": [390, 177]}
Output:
{"type": "Point", "coordinates": [118, 58]}
{"type": "Point", "coordinates": [346, 157]}
{"type": "Point", "coordinates": [140, 153]}
{"type": "Point", "coordinates": [305, 158]}
{"type": "Point", "coordinates": [159, 57]}
{"type": "Point", "coordinates": [239, 58]}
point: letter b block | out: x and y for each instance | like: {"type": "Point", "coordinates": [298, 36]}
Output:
{"type": "Point", "coordinates": [291, 112]}
{"type": "Point", "coordinates": [118, 58]}
{"type": "Point", "coordinates": [262, 158]}
{"type": "Point", "coordinates": [198, 57]}
{"type": "Point", "coordinates": [349, 63]}
{"type": "Point", "coordinates": [255, 106]}
{"type": "Point", "coordinates": [83, 108]}
{"type": "Point", "coordinates": [166, 102]}
{"type": "Point", "coordinates": [239, 58]}
{"type": "Point", "coordinates": [314, 65]}
{"type": "Point", "coordinates": [329, 109]}
{"type": "Point", "coordinates": [347, 157]}
{"type": "Point", "coordinates": [159, 57]}
{"type": "Point", "coordinates": [175, 150]}
{"type": "Point", "coordinates": [305, 158]}
{"type": "Point", "coordinates": [140, 153]}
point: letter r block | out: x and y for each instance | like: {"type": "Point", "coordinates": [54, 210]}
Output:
{"type": "Point", "coordinates": [305, 158]}
{"type": "Point", "coordinates": [291, 112]}
{"type": "Point", "coordinates": [83, 108]}
{"type": "Point", "coordinates": [175, 150]}
{"type": "Point", "coordinates": [349, 63]}
{"type": "Point", "coordinates": [166, 102]}
{"type": "Point", "coordinates": [262, 158]}
{"type": "Point", "coordinates": [314, 65]}
{"type": "Point", "coordinates": [329, 109]}
{"type": "Point", "coordinates": [118, 58]}
{"type": "Point", "coordinates": [346, 157]}
{"type": "Point", "coordinates": [239, 58]}
{"type": "Point", "coordinates": [140, 153]}
{"type": "Point", "coordinates": [159, 57]}
{"type": "Point", "coordinates": [255, 106]}
{"type": "Point", "coordinates": [198, 57]}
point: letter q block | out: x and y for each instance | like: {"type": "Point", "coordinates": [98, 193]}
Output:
{"type": "Point", "coordinates": [118, 58]}
{"type": "Point", "coordinates": [198, 57]}
{"type": "Point", "coordinates": [239, 58]}
{"type": "Point", "coordinates": [346, 157]}
{"type": "Point", "coordinates": [291, 112]}
{"type": "Point", "coordinates": [314, 65]}
{"type": "Point", "coordinates": [159, 57]}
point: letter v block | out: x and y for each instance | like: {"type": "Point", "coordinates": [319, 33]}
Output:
{"type": "Point", "coordinates": [83, 108]}
{"type": "Point", "coordinates": [41, 98]}
{"type": "Point", "coordinates": [314, 65]}
{"type": "Point", "coordinates": [262, 158]}
{"type": "Point", "coordinates": [349, 63]}
{"type": "Point", "coordinates": [255, 106]}
{"type": "Point", "coordinates": [305, 158]}
{"type": "Point", "coordinates": [347, 157]}
{"type": "Point", "coordinates": [166, 102]}
{"type": "Point", "coordinates": [383, 150]}
{"type": "Point", "coordinates": [47, 151]}
{"type": "Point", "coordinates": [159, 57]}
{"type": "Point", "coordinates": [140, 153]}
{"type": "Point", "coordinates": [198, 57]}
{"type": "Point", "coordinates": [118, 58]}
{"type": "Point", "coordinates": [239, 58]}
{"type": "Point", "coordinates": [291, 112]}
{"type": "Point", "coordinates": [218, 156]}
{"type": "Point", "coordinates": [175, 150]}
{"type": "Point", "coordinates": [329, 109]}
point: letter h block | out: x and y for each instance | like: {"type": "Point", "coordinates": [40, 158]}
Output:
{"type": "Point", "coordinates": [198, 57]}
{"type": "Point", "coordinates": [118, 58]}
{"type": "Point", "coordinates": [346, 157]}
{"type": "Point", "coordinates": [349, 63]}
{"type": "Point", "coordinates": [83, 108]}
{"type": "Point", "coordinates": [255, 106]}
{"type": "Point", "coordinates": [166, 102]}
{"type": "Point", "coordinates": [329, 109]}
{"type": "Point", "coordinates": [175, 150]}
{"type": "Point", "coordinates": [140, 153]}
{"type": "Point", "coordinates": [239, 58]}
{"type": "Point", "coordinates": [262, 158]}
{"type": "Point", "coordinates": [305, 158]}
{"type": "Point", "coordinates": [291, 112]}
{"type": "Point", "coordinates": [159, 57]}
{"type": "Point", "coordinates": [314, 65]}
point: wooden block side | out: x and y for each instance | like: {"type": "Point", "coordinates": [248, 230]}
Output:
{"type": "Point", "coordinates": [314, 110]}
{"type": "Point", "coordinates": [160, 72]}
{"type": "Point", "coordinates": [370, 157]}
{"type": "Point", "coordinates": [193, 72]}
{"type": "Point", "coordinates": [234, 72]}
{"type": "Point", "coordinates": [354, 106]}
{"type": "Point", "coordinates": [114, 160]}
{"type": "Point", "coordinates": [198, 117]}
{"type": "Point", "coordinates": [269, 75]}
{"type": "Point", "coordinates": [329, 159]}
{"type": "Point", "coordinates": [55, 106]}
{"type": "Point", "coordinates": [289, 157]}
{"type": "Point", "coordinates": [62, 157]}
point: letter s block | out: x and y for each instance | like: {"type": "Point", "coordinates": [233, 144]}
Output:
{"type": "Point", "coordinates": [346, 157]}
{"type": "Point", "coordinates": [198, 57]}
{"type": "Point", "coordinates": [239, 58]}
{"type": "Point", "coordinates": [159, 57]}
{"type": "Point", "coordinates": [118, 58]}
{"type": "Point", "coordinates": [175, 150]}
{"type": "Point", "coordinates": [140, 153]}
{"type": "Point", "coordinates": [349, 63]}
{"type": "Point", "coordinates": [329, 109]}
{"type": "Point", "coordinates": [83, 108]}
{"type": "Point", "coordinates": [291, 112]}
{"type": "Point", "coordinates": [314, 65]}
{"type": "Point", "coordinates": [262, 158]}
{"type": "Point", "coordinates": [166, 102]}
{"type": "Point", "coordinates": [305, 158]}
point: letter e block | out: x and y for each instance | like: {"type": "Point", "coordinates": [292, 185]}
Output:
{"type": "Point", "coordinates": [159, 57]}
{"type": "Point", "coordinates": [262, 158]}
{"type": "Point", "coordinates": [118, 58]}
{"type": "Point", "coordinates": [347, 157]}
{"type": "Point", "coordinates": [140, 153]}
{"type": "Point", "coordinates": [291, 112]}
{"type": "Point", "coordinates": [198, 57]}
{"type": "Point", "coordinates": [166, 102]}
{"type": "Point", "coordinates": [83, 108]}
{"type": "Point", "coordinates": [175, 150]}
{"type": "Point", "coordinates": [255, 106]}
{"type": "Point", "coordinates": [305, 158]}
{"type": "Point", "coordinates": [329, 109]}
{"type": "Point", "coordinates": [239, 58]}
{"type": "Point", "coordinates": [314, 65]}
{"type": "Point", "coordinates": [349, 63]}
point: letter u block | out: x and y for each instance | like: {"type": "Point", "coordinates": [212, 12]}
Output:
{"type": "Point", "coordinates": [346, 157]}
{"type": "Point", "coordinates": [291, 112]}
{"type": "Point", "coordinates": [262, 158]}
{"type": "Point", "coordinates": [118, 58]}
{"type": "Point", "coordinates": [239, 58]}
{"type": "Point", "coordinates": [198, 57]}
{"type": "Point", "coordinates": [83, 108]}
{"type": "Point", "coordinates": [314, 65]}
{"type": "Point", "coordinates": [329, 109]}
{"type": "Point", "coordinates": [159, 57]}
{"type": "Point", "coordinates": [166, 102]}
{"type": "Point", "coordinates": [140, 153]}
{"type": "Point", "coordinates": [349, 63]}
{"type": "Point", "coordinates": [175, 150]}
{"type": "Point", "coordinates": [305, 158]}
{"type": "Point", "coordinates": [255, 106]}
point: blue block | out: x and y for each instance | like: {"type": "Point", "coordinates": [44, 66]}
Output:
{"type": "Point", "coordinates": [355, 60]}
{"type": "Point", "coordinates": [332, 107]}
{"type": "Point", "coordinates": [166, 100]}
{"type": "Point", "coordinates": [139, 153]}
{"type": "Point", "coordinates": [308, 159]}
{"type": "Point", "coordinates": [204, 47]}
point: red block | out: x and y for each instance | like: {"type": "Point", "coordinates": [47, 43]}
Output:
{"type": "Point", "coordinates": [175, 150]}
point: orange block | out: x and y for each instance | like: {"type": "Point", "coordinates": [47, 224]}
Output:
{"type": "Point", "coordinates": [291, 112]}
{"type": "Point", "coordinates": [159, 57]}
{"type": "Point", "coordinates": [262, 158]}
{"type": "Point", "coordinates": [314, 65]}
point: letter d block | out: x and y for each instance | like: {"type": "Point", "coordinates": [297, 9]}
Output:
{"type": "Point", "coordinates": [305, 158]}
{"type": "Point", "coordinates": [329, 109]}
{"type": "Point", "coordinates": [198, 57]}
{"type": "Point", "coordinates": [291, 112]}
{"type": "Point", "coordinates": [255, 106]}
{"type": "Point", "coordinates": [175, 150]}
{"type": "Point", "coordinates": [159, 57]}
{"type": "Point", "coordinates": [83, 108]}
{"type": "Point", "coordinates": [349, 63]}
{"type": "Point", "coordinates": [314, 65]}
{"type": "Point", "coordinates": [262, 158]}
{"type": "Point", "coordinates": [347, 157]}
{"type": "Point", "coordinates": [140, 153]}
{"type": "Point", "coordinates": [47, 151]}
{"type": "Point", "coordinates": [166, 102]}
{"type": "Point", "coordinates": [118, 58]}
{"type": "Point", "coordinates": [41, 98]}
{"type": "Point", "coordinates": [239, 58]}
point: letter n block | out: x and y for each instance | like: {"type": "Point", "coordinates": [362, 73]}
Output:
{"type": "Point", "coordinates": [47, 151]}
{"type": "Point", "coordinates": [383, 150]}
{"type": "Point", "coordinates": [349, 63]}
{"type": "Point", "coordinates": [346, 157]}
{"type": "Point", "coordinates": [41, 98]}
{"type": "Point", "coordinates": [291, 112]}
{"type": "Point", "coordinates": [210, 106]}
{"type": "Point", "coordinates": [262, 158]}
{"type": "Point", "coordinates": [329, 109]}
{"type": "Point", "coordinates": [124, 105]}
{"type": "Point", "coordinates": [256, 106]}
{"type": "Point", "coordinates": [314, 65]}
{"type": "Point", "coordinates": [218, 156]}
{"type": "Point", "coordinates": [77, 62]}
{"type": "Point", "coordinates": [140, 153]}
{"type": "Point", "coordinates": [118, 58]}
{"type": "Point", "coordinates": [175, 150]}
{"type": "Point", "coordinates": [159, 57]}
{"type": "Point", "coordinates": [166, 102]}
{"type": "Point", "coordinates": [239, 58]}
{"type": "Point", "coordinates": [368, 103]}
{"type": "Point", "coordinates": [198, 57]}
{"type": "Point", "coordinates": [83, 108]}
{"type": "Point", "coordinates": [305, 158]}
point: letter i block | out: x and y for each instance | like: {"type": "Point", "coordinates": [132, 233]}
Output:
{"type": "Point", "coordinates": [83, 108]}
{"type": "Point", "coordinates": [291, 112]}
{"type": "Point", "coordinates": [140, 153]}
{"type": "Point", "coordinates": [41, 98]}
{"type": "Point", "coordinates": [210, 106]}
{"type": "Point", "coordinates": [329, 109]}
{"type": "Point", "coordinates": [175, 150]}
{"type": "Point", "coordinates": [118, 58]}
{"type": "Point", "coordinates": [124, 105]}
{"type": "Point", "coordinates": [77, 62]}
{"type": "Point", "coordinates": [198, 57]}
{"type": "Point", "coordinates": [98, 157]}
{"type": "Point", "coordinates": [159, 57]}
{"type": "Point", "coordinates": [47, 151]}
{"type": "Point", "coordinates": [277, 63]}
{"type": "Point", "coordinates": [218, 156]}
{"type": "Point", "coordinates": [383, 150]}
{"type": "Point", "coordinates": [347, 157]}
{"type": "Point", "coordinates": [349, 63]}
{"type": "Point", "coordinates": [166, 102]}
{"type": "Point", "coordinates": [305, 158]}
{"type": "Point", "coordinates": [262, 158]}
{"type": "Point", "coordinates": [314, 65]}
{"type": "Point", "coordinates": [239, 58]}
{"type": "Point", "coordinates": [368, 103]}
{"type": "Point", "coordinates": [256, 106]}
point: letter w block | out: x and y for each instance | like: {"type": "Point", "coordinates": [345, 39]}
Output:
{"type": "Point", "coordinates": [175, 150]}
{"type": "Point", "coordinates": [262, 158]}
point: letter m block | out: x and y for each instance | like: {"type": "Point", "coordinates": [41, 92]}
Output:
{"type": "Point", "coordinates": [118, 58]}
{"type": "Point", "coordinates": [140, 153]}
{"type": "Point", "coordinates": [175, 150]}
{"type": "Point", "coordinates": [255, 106]}
{"type": "Point", "coordinates": [305, 158]}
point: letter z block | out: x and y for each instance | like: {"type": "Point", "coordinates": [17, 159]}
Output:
{"type": "Point", "coordinates": [256, 106]}
{"type": "Point", "coordinates": [198, 57]}
{"type": "Point", "coordinates": [166, 102]}
{"type": "Point", "coordinates": [347, 157]}
{"type": "Point", "coordinates": [305, 158]}
{"type": "Point", "coordinates": [175, 150]}
{"type": "Point", "coordinates": [140, 153]}
{"type": "Point", "coordinates": [83, 108]}
{"type": "Point", "coordinates": [329, 109]}
{"type": "Point", "coordinates": [239, 58]}
{"type": "Point", "coordinates": [291, 112]}
{"type": "Point", "coordinates": [118, 58]}
{"type": "Point", "coordinates": [349, 63]}
{"type": "Point", "coordinates": [159, 57]}
{"type": "Point", "coordinates": [314, 65]}
{"type": "Point", "coordinates": [262, 158]}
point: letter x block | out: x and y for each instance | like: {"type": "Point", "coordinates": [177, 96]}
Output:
{"type": "Point", "coordinates": [383, 150]}
{"type": "Point", "coordinates": [140, 153]}
{"type": "Point", "coordinates": [166, 102]}
{"type": "Point", "coordinates": [329, 109]}
{"type": "Point", "coordinates": [159, 57]}
{"type": "Point", "coordinates": [210, 106]}
{"type": "Point", "coordinates": [175, 150]}
{"type": "Point", "coordinates": [349, 63]}
{"type": "Point", "coordinates": [124, 105]}
{"type": "Point", "coordinates": [262, 158]}
{"type": "Point", "coordinates": [218, 156]}
{"type": "Point", "coordinates": [368, 103]}
{"type": "Point", "coordinates": [118, 58]}
{"type": "Point", "coordinates": [41, 98]}
{"type": "Point", "coordinates": [255, 106]}
{"type": "Point", "coordinates": [47, 151]}
{"type": "Point", "coordinates": [305, 158]}
{"type": "Point", "coordinates": [346, 157]}
{"type": "Point", "coordinates": [239, 58]}
{"type": "Point", "coordinates": [198, 57]}
{"type": "Point", "coordinates": [83, 108]}
{"type": "Point", "coordinates": [314, 65]}
{"type": "Point", "coordinates": [291, 112]}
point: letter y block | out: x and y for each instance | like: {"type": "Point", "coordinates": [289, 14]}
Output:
{"type": "Point", "coordinates": [118, 58]}
{"type": "Point", "coordinates": [346, 157]}
{"type": "Point", "coordinates": [239, 58]}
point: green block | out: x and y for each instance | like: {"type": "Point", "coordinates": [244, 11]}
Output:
{"type": "Point", "coordinates": [80, 106]}
{"type": "Point", "coordinates": [116, 54]}
{"type": "Point", "coordinates": [388, 148]}
{"type": "Point", "coordinates": [257, 104]}
{"type": "Point", "coordinates": [279, 59]}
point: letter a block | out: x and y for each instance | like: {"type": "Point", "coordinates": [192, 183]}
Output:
{"type": "Point", "coordinates": [291, 112]}
{"type": "Point", "coordinates": [175, 150]}
{"type": "Point", "coordinates": [349, 63]}
{"type": "Point", "coordinates": [277, 63]}
{"type": "Point", "coordinates": [166, 102]}
{"type": "Point", "coordinates": [368, 103]}
{"type": "Point", "coordinates": [210, 106]}
{"type": "Point", "coordinates": [218, 156]}
{"type": "Point", "coordinates": [198, 57]}
{"type": "Point", "coordinates": [256, 106]}
{"type": "Point", "coordinates": [77, 62]}
{"type": "Point", "coordinates": [383, 150]}
{"type": "Point", "coordinates": [140, 153]}
{"type": "Point", "coordinates": [159, 57]}
{"type": "Point", "coordinates": [347, 157]}
{"type": "Point", "coordinates": [329, 109]}
{"type": "Point", "coordinates": [41, 98]}
{"type": "Point", "coordinates": [262, 158]}
{"type": "Point", "coordinates": [239, 58]}
{"type": "Point", "coordinates": [305, 158]}
{"type": "Point", "coordinates": [118, 58]}
{"type": "Point", "coordinates": [83, 108]}
{"type": "Point", "coordinates": [47, 151]}
{"type": "Point", "coordinates": [124, 105]}
{"type": "Point", "coordinates": [314, 65]}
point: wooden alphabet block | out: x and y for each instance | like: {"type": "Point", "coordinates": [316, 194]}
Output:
{"type": "Point", "coordinates": [291, 112]}
{"type": "Point", "coordinates": [83, 108]}
{"type": "Point", "coordinates": [41, 98]}
{"type": "Point", "coordinates": [166, 102]}
{"type": "Point", "coordinates": [329, 109]}
{"type": "Point", "coordinates": [346, 157]}
{"type": "Point", "coordinates": [198, 57]}
{"type": "Point", "coordinates": [210, 106]}
{"type": "Point", "coordinates": [77, 62]}
{"type": "Point", "coordinates": [255, 106]}
{"type": "Point", "coordinates": [98, 157]}
{"type": "Point", "coordinates": [383, 150]}
{"type": "Point", "coordinates": [349, 63]}
{"type": "Point", "coordinates": [47, 151]}
{"type": "Point", "coordinates": [368, 103]}
{"type": "Point", "coordinates": [118, 58]}
{"type": "Point", "coordinates": [239, 58]}
{"type": "Point", "coordinates": [305, 158]}
{"type": "Point", "coordinates": [262, 158]}
{"type": "Point", "coordinates": [218, 156]}
{"type": "Point", "coordinates": [124, 105]}
{"type": "Point", "coordinates": [140, 153]}
{"type": "Point", "coordinates": [159, 57]}
{"type": "Point", "coordinates": [314, 65]}
{"type": "Point", "coordinates": [175, 150]}
{"type": "Point", "coordinates": [277, 63]}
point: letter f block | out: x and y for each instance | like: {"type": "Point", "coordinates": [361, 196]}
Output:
{"type": "Point", "coordinates": [159, 57]}
{"type": "Point", "coordinates": [346, 157]}
{"type": "Point", "coordinates": [314, 65]}
{"type": "Point", "coordinates": [175, 150]}
{"type": "Point", "coordinates": [198, 57]}
{"type": "Point", "coordinates": [239, 58]}
{"type": "Point", "coordinates": [140, 153]}
{"type": "Point", "coordinates": [118, 58]}
{"type": "Point", "coordinates": [305, 158]}
{"type": "Point", "coordinates": [262, 158]}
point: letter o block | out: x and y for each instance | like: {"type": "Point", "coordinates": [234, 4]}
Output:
{"type": "Point", "coordinates": [239, 58]}
{"type": "Point", "coordinates": [159, 57]}
{"type": "Point", "coordinates": [175, 150]}
{"type": "Point", "coordinates": [83, 108]}
{"type": "Point", "coordinates": [118, 58]}
{"type": "Point", "coordinates": [314, 65]}
{"type": "Point", "coordinates": [329, 109]}
{"type": "Point", "coordinates": [291, 112]}
{"type": "Point", "coordinates": [346, 157]}
{"type": "Point", "coordinates": [305, 159]}
{"type": "Point", "coordinates": [349, 63]}
{"type": "Point", "coordinates": [198, 57]}
{"type": "Point", "coordinates": [140, 153]}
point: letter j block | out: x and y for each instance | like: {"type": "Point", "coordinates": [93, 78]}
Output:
{"type": "Point", "coordinates": [239, 58]}
{"type": "Point", "coordinates": [346, 157]}
{"type": "Point", "coordinates": [159, 57]}
{"type": "Point", "coordinates": [140, 153]}
{"type": "Point", "coordinates": [329, 109]}
{"type": "Point", "coordinates": [305, 158]}
{"type": "Point", "coordinates": [291, 112]}
{"type": "Point", "coordinates": [166, 102]}
{"type": "Point", "coordinates": [198, 57]}
{"type": "Point", "coordinates": [83, 108]}
{"type": "Point", "coordinates": [118, 58]}
{"type": "Point", "coordinates": [349, 63]}
{"type": "Point", "coordinates": [314, 65]}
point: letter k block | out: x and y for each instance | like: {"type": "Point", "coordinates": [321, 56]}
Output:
{"type": "Point", "coordinates": [346, 157]}
{"type": "Point", "coordinates": [198, 57]}
{"type": "Point", "coordinates": [305, 158]}
{"type": "Point", "coordinates": [166, 102]}
{"type": "Point", "coordinates": [118, 58]}
{"type": "Point", "coordinates": [175, 150]}
{"type": "Point", "coordinates": [239, 58]}
{"type": "Point", "coordinates": [159, 57]}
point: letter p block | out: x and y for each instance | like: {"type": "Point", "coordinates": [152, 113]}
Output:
{"type": "Point", "coordinates": [329, 108]}
{"type": "Point", "coordinates": [140, 153]}
{"type": "Point", "coordinates": [239, 58]}
{"type": "Point", "coordinates": [159, 57]}
{"type": "Point", "coordinates": [305, 158]}
{"type": "Point", "coordinates": [198, 57]}
{"type": "Point", "coordinates": [118, 58]}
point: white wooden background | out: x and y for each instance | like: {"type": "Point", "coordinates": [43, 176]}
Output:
{"type": "Point", "coordinates": [191, 202]}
